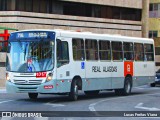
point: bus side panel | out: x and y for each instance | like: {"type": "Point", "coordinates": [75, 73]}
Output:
{"type": "Point", "coordinates": [63, 81]}
{"type": "Point", "coordinates": [64, 72]}
{"type": "Point", "coordinates": [118, 76]}
{"type": "Point", "coordinates": [69, 71]}
{"type": "Point", "coordinates": [78, 70]}
{"type": "Point", "coordinates": [97, 76]}
{"type": "Point", "coordinates": [144, 73]}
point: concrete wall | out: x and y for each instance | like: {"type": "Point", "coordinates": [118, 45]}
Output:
{"type": "Point", "coordinates": [154, 1]}
{"type": "Point", "coordinates": [120, 3]}
{"type": "Point", "coordinates": [27, 20]}
{"type": "Point", "coordinates": [154, 25]}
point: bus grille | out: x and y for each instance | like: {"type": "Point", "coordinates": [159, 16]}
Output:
{"type": "Point", "coordinates": [27, 89]}
{"type": "Point", "coordinates": [27, 82]}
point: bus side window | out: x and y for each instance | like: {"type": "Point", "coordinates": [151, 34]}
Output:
{"type": "Point", "coordinates": [128, 51]}
{"type": "Point", "coordinates": [104, 50]}
{"type": "Point", "coordinates": [149, 52]}
{"type": "Point", "coordinates": [91, 46]}
{"type": "Point", "coordinates": [117, 54]}
{"type": "Point", "coordinates": [78, 49]}
{"type": "Point", "coordinates": [139, 52]}
{"type": "Point", "coordinates": [62, 53]}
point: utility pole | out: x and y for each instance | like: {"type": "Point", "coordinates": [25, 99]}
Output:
{"type": "Point", "coordinates": [145, 18]}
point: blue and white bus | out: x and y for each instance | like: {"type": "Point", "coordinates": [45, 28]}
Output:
{"type": "Point", "coordinates": [59, 61]}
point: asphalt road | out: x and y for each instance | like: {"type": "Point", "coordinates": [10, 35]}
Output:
{"type": "Point", "coordinates": [142, 99]}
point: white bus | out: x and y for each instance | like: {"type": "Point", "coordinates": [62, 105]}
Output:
{"type": "Point", "coordinates": [64, 62]}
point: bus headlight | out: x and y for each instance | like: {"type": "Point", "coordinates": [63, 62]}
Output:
{"type": "Point", "coordinates": [7, 77]}
{"type": "Point", "coordinates": [49, 77]}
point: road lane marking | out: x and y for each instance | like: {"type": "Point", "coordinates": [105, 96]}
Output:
{"type": "Point", "coordinates": [6, 118]}
{"type": "Point", "coordinates": [52, 103]}
{"type": "Point", "coordinates": [55, 105]}
{"type": "Point", "coordinates": [41, 118]}
{"type": "Point", "coordinates": [92, 106]}
{"type": "Point", "coordinates": [3, 91]}
{"type": "Point", "coordinates": [146, 87]}
{"type": "Point", "coordinates": [140, 106]}
{"type": "Point", "coordinates": [6, 101]}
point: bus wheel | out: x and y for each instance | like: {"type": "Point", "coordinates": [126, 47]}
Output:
{"type": "Point", "coordinates": [33, 96]}
{"type": "Point", "coordinates": [95, 92]}
{"type": "Point", "coordinates": [127, 87]}
{"type": "Point", "coordinates": [73, 95]}
{"type": "Point", "coordinates": [153, 84]}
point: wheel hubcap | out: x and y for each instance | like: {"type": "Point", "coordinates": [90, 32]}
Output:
{"type": "Point", "coordinates": [76, 90]}
{"type": "Point", "coordinates": [128, 87]}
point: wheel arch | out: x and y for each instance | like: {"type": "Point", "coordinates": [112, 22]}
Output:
{"type": "Point", "coordinates": [79, 81]}
{"type": "Point", "coordinates": [130, 76]}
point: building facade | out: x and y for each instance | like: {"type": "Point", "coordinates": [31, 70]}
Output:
{"type": "Point", "coordinates": [154, 27]}
{"type": "Point", "coordinates": [124, 17]}
{"type": "Point", "coordinates": [105, 16]}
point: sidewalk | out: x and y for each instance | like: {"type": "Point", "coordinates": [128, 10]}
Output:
{"type": "Point", "coordinates": [2, 90]}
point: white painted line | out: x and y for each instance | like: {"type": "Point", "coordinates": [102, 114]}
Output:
{"type": "Point", "coordinates": [52, 104]}
{"type": "Point", "coordinates": [55, 105]}
{"type": "Point", "coordinates": [140, 106]}
{"type": "Point", "coordinates": [3, 91]}
{"type": "Point", "coordinates": [41, 118]}
{"type": "Point", "coordinates": [6, 101]}
{"type": "Point", "coordinates": [91, 106]}
{"type": "Point", "coordinates": [68, 118]}
{"type": "Point", "coordinates": [6, 118]}
{"type": "Point", "coordinates": [151, 88]}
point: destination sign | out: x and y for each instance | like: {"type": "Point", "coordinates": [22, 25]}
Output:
{"type": "Point", "coordinates": [32, 35]}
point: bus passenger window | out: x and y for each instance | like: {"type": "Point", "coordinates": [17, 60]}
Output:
{"type": "Point", "coordinates": [104, 50]}
{"type": "Point", "coordinates": [91, 49]}
{"type": "Point", "coordinates": [128, 51]}
{"type": "Point", "coordinates": [139, 52]}
{"type": "Point", "coordinates": [117, 51]}
{"type": "Point", "coordinates": [62, 53]}
{"type": "Point", "coordinates": [149, 52]}
{"type": "Point", "coordinates": [78, 49]}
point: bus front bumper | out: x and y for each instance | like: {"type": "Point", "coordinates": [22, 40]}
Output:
{"type": "Point", "coordinates": [54, 86]}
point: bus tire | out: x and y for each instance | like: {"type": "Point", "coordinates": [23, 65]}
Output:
{"type": "Point", "coordinates": [73, 95]}
{"type": "Point", "coordinates": [33, 96]}
{"type": "Point", "coordinates": [153, 84]}
{"type": "Point", "coordinates": [92, 93]}
{"type": "Point", "coordinates": [126, 90]}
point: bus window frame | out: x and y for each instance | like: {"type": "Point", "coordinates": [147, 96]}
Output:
{"type": "Point", "coordinates": [129, 51]}
{"type": "Point", "coordinates": [121, 51]}
{"type": "Point", "coordinates": [135, 52]}
{"type": "Point", "coordinates": [153, 52]}
{"type": "Point", "coordinates": [90, 39]}
{"type": "Point", "coordinates": [58, 66]}
{"type": "Point", "coordinates": [107, 50]}
{"type": "Point", "coordinates": [83, 49]}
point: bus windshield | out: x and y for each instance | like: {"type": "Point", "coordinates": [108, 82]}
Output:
{"type": "Point", "coordinates": [30, 56]}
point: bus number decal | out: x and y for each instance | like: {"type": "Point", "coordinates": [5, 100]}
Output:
{"type": "Point", "coordinates": [41, 74]}
{"type": "Point", "coordinates": [128, 68]}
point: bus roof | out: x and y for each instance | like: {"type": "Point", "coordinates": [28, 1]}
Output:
{"type": "Point", "coordinates": [90, 35]}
